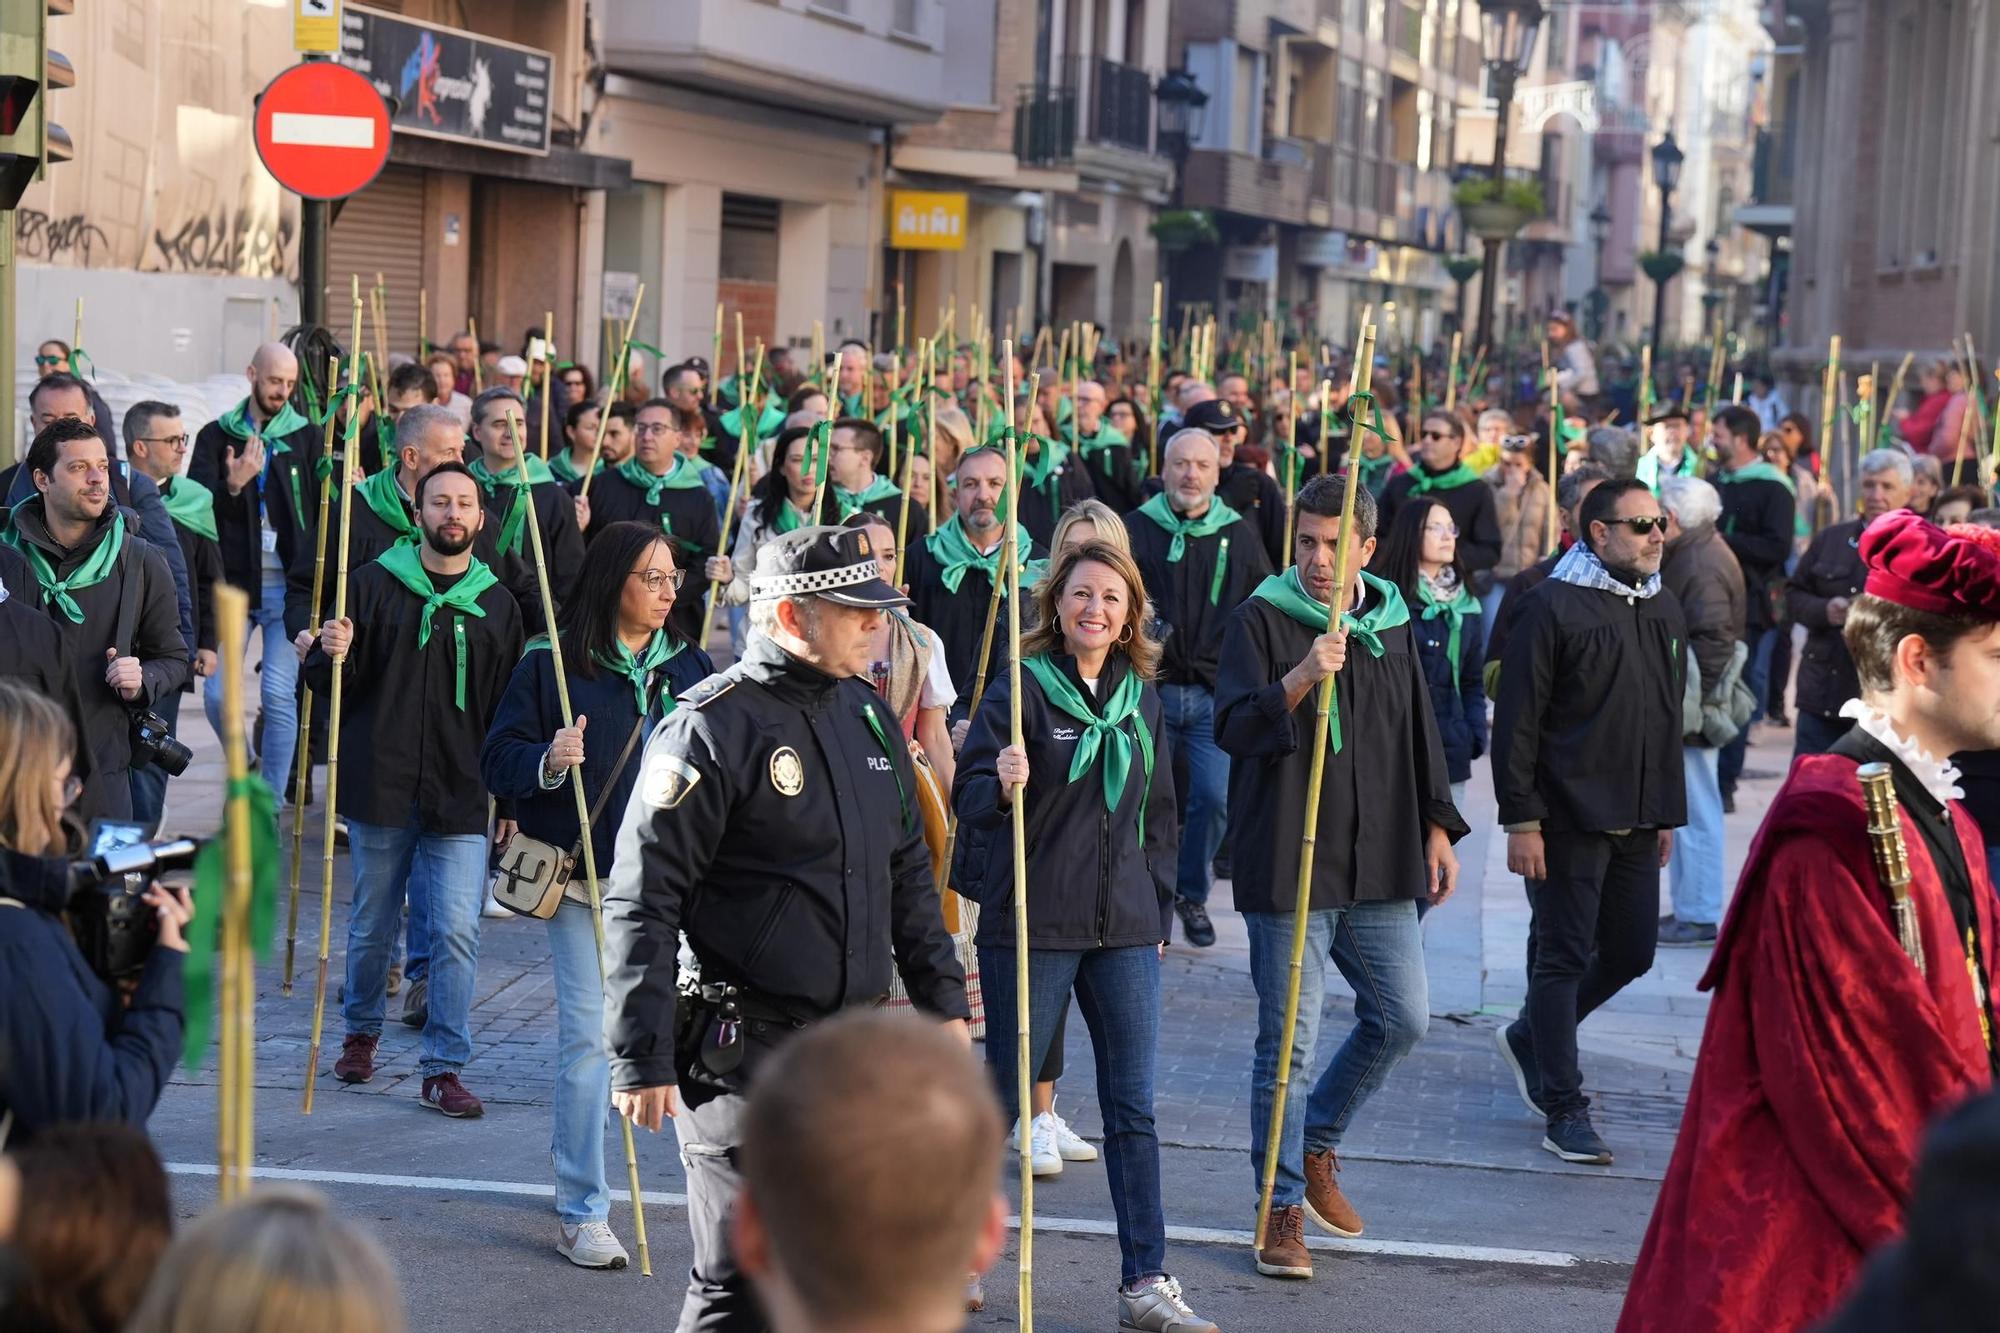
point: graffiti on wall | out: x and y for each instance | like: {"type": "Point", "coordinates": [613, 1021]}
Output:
{"type": "Point", "coordinates": [73, 239]}
{"type": "Point", "coordinates": [250, 242]}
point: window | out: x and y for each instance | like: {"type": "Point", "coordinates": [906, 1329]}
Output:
{"type": "Point", "coordinates": [969, 35]}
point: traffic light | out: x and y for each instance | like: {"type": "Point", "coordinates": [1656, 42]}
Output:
{"type": "Point", "coordinates": [28, 70]}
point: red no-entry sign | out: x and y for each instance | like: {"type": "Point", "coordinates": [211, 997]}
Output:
{"type": "Point", "coordinates": [322, 130]}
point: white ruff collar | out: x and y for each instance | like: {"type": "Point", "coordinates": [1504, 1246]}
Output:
{"type": "Point", "coordinates": [1939, 776]}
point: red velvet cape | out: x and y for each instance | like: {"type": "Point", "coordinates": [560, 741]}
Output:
{"type": "Point", "coordinates": [1825, 1056]}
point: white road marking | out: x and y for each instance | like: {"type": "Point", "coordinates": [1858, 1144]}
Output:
{"type": "Point", "coordinates": [312, 130]}
{"type": "Point", "coordinates": [1066, 1226]}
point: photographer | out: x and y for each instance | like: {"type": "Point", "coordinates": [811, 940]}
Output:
{"type": "Point", "coordinates": [69, 1048]}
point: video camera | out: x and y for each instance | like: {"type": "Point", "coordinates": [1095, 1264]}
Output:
{"type": "Point", "coordinates": [115, 929]}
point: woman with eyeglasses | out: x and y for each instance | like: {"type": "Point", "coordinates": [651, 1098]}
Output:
{"type": "Point", "coordinates": [1420, 556]}
{"type": "Point", "coordinates": [625, 665]}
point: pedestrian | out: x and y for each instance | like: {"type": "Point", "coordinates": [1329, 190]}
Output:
{"type": "Point", "coordinates": [1099, 795]}
{"type": "Point", "coordinates": [1766, 401]}
{"type": "Point", "coordinates": [1927, 482]}
{"type": "Point", "coordinates": [951, 572]}
{"type": "Point", "coordinates": [1669, 452]}
{"type": "Point", "coordinates": [1107, 451]}
{"type": "Point", "coordinates": [774, 799]}
{"type": "Point", "coordinates": [1521, 508]}
{"type": "Point", "coordinates": [576, 381]}
{"type": "Point", "coordinates": [110, 597]}
{"type": "Point", "coordinates": [1822, 1017]}
{"type": "Point", "coordinates": [1441, 475]}
{"type": "Point", "coordinates": [1383, 834]}
{"type": "Point", "coordinates": [658, 485]}
{"type": "Point", "coordinates": [428, 642]}
{"type": "Point", "coordinates": [580, 448]}
{"type": "Point", "coordinates": [102, 1217]}
{"type": "Point", "coordinates": [691, 438]}
{"type": "Point", "coordinates": [1575, 367]}
{"type": "Point", "coordinates": [906, 668]}
{"type": "Point", "coordinates": [1129, 419]}
{"type": "Point", "coordinates": [34, 653]}
{"type": "Point", "coordinates": [1199, 559]}
{"type": "Point", "coordinates": [1702, 574]}
{"type": "Point", "coordinates": [1053, 476]}
{"type": "Point", "coordinates": [1758, 511]}
{"type": "Point", "coordinates": [1588, 774]}
{"type": "Point", "coordinates": [1420, 557]}
{"type": "Point", "coordinates": [624, 669]}
{"type": "Point", "coordinates": [499, 441]}
{"type": "Point", "coordinates": [1956, 504]}
{"type": "Point", "coordinates": [778, 504]}
{"type": "Point", "coordinates": [443, 366]}
{"type": "Point", "coordinates": [1249, 491]}
{"type": "Point", "coordinates": [1830, 575]}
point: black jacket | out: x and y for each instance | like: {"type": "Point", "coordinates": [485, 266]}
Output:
{"type": "Point", "coordinates": [1252, 493]}
{"type": "Point", "coordinates": [1042, 506]}
{"type": "Point", "coordinates": [156, 642]}
{"type": "Point", "coordinates": [1188, 600]}
{"type": "Point", "coordinates": [69, 1050]}
{"type": "Point", "coordinates": [1587, 727]}
{"type": "Point", "coordinates": [1831, 567]}
{"type": "Point", "coordinates": [1757, 517]}
{"type": "Point", "coordinates": [408, 752]}
{"type": "Point", "coordinates": [287, 492]}
{"type": "Point", "coordinates": [1472, 508]}
{"type": "Point", "coordinates": [562, 548]}
{"type": "Point", "coordinates": [687, 518]}
{"type": "Point", "coordinates": [769, 824]}
{"type": "Point", "coordinates": [1379, 793]}
{"type": "Point", "coordinates": [958, 619]}
{"type": "Point", "coordinates": [1115, 471]}
{"type": "Point", "coordinates": [145, 513]}
{"type": "Point", "coordinates": [32, 652]}
{"type": "Point", "coordinates": [1092, 883]}
{"type": "Point", "coordinates": [1458, 699]}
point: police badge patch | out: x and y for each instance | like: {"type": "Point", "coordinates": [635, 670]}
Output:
{"type": "Point", "coordinates": [788, 772]}
{"type": "Point", "coordinates": [667, 781]}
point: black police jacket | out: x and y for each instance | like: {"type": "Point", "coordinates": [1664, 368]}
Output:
{"type": "Point", "coordinates": [776, 827]}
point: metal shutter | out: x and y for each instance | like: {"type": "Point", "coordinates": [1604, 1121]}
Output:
{"type": "Point", "coordinates": [379, 230]}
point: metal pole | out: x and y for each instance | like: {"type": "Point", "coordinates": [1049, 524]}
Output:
{"type": "Point", "coordinates": [1660, 288]}
{"type": "Point", "coordinates": [1489, 274]}
{"type": "Point", "coordinates": [313, 224]}
{"type": "Point", "coordinates": [9, 271]}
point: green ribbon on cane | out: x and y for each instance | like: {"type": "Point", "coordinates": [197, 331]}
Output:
{"type": "Point", "coordinates": [204, 931]}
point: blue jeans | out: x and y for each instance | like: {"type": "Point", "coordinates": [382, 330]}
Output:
{"type": "Point", "coordinates": [1118, 991]}
{"type": "Point", "coordinates": [278, 691]}
{"type": "Point", "coordinates": [1694, 871]}
{"type": "Point", "coordinates": [1379, 949]}
{"type": "Point", "coordinates": [1489, 608]}
{"type": "Point", "coordinates": [449, 870]}
{"type": "Point", "coordinates": [1190, 722]}
{"type": "Point", "coordinates": [1757, 675]}
{"type": "Point", "coordinates": [149, 781]}
{"type": "Point", "coordinates": [583, 1070]}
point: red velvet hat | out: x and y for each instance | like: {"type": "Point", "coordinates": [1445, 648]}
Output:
{"type": "Point", "coordinates": [1913, 562]}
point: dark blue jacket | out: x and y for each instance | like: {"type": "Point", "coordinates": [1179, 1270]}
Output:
{"type": "Point", "coordinates": [68, 1050]}
{"type": "Point", "coordinates": [529, 717]}
{"type": "Point", "coordinates": [1460, 710]}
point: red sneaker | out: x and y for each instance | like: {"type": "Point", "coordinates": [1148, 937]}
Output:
{"type": "Point", "coordinates": [448, 1095]}
{"type": "Point", "coordinates": [357, 1058]}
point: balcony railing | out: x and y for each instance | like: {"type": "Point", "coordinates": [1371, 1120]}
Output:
{"type": "Point", "coordinates": [1045, 124]}
{"type": "Point", "coordinates": [1322, 173]}
{"type": "Point", "coordinates": [1407, 20]}
{"type": "Point", "coordinates": [1121, 106]}
{"type": "Point", "coordinates": [1772, 166]}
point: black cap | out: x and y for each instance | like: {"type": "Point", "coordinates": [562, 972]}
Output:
{"type": "Point", "coordinates": [1669, 413]}
{"type": "Point", "coordinates": [837, 564]}
{"type": "Point", "coordinates": [1213, 415]}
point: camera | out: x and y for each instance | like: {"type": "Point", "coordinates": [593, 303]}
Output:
{"type": "Point", "coordinates": [114, 928]}
{"type": "Point", "coordinates": [153, 743]}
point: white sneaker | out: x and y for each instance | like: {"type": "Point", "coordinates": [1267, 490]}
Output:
{"type": "Point", "coordinates": [1045, 1162]}
{"type": "Point", "coordinates": [492, 910]}
{"type": "Point", "coordinates": [1070, 1146]}
{"type": "Point", "coordinates": [1159, 1307]}
{"type": "Point", "coordinates": [591, 1245]}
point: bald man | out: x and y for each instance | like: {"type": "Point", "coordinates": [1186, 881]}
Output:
{"type": "Point", "coordinates": [258, 459]}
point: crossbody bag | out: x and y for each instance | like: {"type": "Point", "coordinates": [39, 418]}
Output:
{"type": "Point", "coordinates": [533, 876]}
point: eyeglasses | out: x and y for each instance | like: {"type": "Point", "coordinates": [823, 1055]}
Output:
{"type": "Point", "coordinates": [1438, 435]}
{"type": "Point", "coordinates": [174, 442]}
{"type": "Point", "coordinates": [1640, 526]}
{"type": "Point", "coordinates": [1441, 529]}
{"type": "Point", "coordinates": [648, 429]}
{"type": "Point", "coordinates": [656, 579]}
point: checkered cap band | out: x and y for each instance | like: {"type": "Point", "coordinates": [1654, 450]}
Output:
{"type": "Point", "coordinates": [766, 587]}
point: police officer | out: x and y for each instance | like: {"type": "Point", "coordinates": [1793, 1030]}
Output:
{"type": "Point", "coordinates": [775, 823]}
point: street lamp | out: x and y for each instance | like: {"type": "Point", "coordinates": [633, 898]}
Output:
{"type": "Point", "coordinates": [1597, 301]}
{"type": "Point", "coordinates": [1183, 113]}
{"type": "Point", "coordinates": [1667, 159]}
{"type": "Point", "coordinates": [1711, 296]}
{"type": "Point", "coordinates": [1507, 31]}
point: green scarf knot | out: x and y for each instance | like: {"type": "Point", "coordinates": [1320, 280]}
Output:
{"type": "Point", "coordinates": [237, 425]}
{"type": "Point", "coordinates": [1108, 436]}
{"type": "Point", "coordinates": [407, 566]}
{"type": "Point", "coordinates": [1286, 593]}
{"type": "Point", "coordinates": [93, 571]}
{"type": "Point", "coordinates": [684, 475]}
{"type": "Point", "coordinates": [1218, 517]}
{"type": "Point", "coordinates": [385, 498]}
{"type": "Point", "coordinates": [849, 503]}
{"type": "Point", "coordinates": [1424, 480]}
{"type": "Point", "coordinates": [639, 667]}
{"type": "Point", "coordinates": [1103, 733]}
{"type": "Point", "coordinates": [190, 504]}
{"type": "Point", "coordinates": [565, 471]}
{"type": "Point", "coordinates": [204, 930]}
{"type": "Point", "coordinates": [956, 554]}
{"type": "Point", "coordinates": [515, 523]}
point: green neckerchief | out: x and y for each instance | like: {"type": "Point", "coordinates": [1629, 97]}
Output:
{"type": "Point", "coordinates": [1757, 471]}
{"type": "Point", "coordinates": [190, 504]}
{"type": "Point", "coordinates": [790, 518]}
{"type": "Point", "coordinates": [769, 421]}
{"type": "Point", "coordinates": [1454, 611]}
{"type": "Point", "coordinates": [516, 522]}
{"type": "Point", "coordinates": [956, 554]}
{"type": "Point", "coordinates": [850, 503]}
{"type": "Point", "coordinates": [382, 495]}
{"type": "Point", "coordinates": [1218, 517]}
{"type": "Point", "coordinates": [55, 591]}
{"type": "Point", "coordinates": [639, 667]}
{"type": "Point", "coordinates": [565, 471]}
{"type": "Point", "coordinates": [1459, 475]}
{"type": "Point", "coordinates": [1098, 728]}
{"type": "Point", "coordinates": [1375, 472]}
{"type": "Point", "coordinates": [1648, 470]}
{"type": "Point", "coordinates": [1040, 473]}
{"type": "Point", "coordinates": [407, 566]}
{"type": "Point", "coordinates": [237, 425]}
{"type": "Point", "coordinates": [1285, 592]}
{"type": "Point", "coordinates": [684, 475]}
{"type": "Point", "coordinates": [1108, 437]}
{"type": "Point", "coordinates": [852, 406]}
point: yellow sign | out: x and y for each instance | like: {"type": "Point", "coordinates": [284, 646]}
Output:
{"type": "Point", "coordinates": [316, 27]}
{"type": "Point", "coordinates": [926, 220]}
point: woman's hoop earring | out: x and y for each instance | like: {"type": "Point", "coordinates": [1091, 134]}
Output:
{"type": "Point", "coordinates": [1126, 636]}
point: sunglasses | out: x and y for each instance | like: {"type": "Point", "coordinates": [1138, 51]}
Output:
{"type": "Point", "coordinates": [1640, 526]}
{"type": "Point", "coordinates": [49, 360]}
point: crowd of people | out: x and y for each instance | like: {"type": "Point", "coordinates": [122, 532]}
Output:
{"type": "Point", "coordinates": [1601, 614]}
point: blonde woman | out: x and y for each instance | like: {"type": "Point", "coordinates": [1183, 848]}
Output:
{"type": "Point", "coordinates": [1089, 521]}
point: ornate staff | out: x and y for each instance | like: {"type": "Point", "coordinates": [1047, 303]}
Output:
{"type": "Point", "coordinates": [583, 822]}
{"type": "Point", "coordinates": [306, 703]}
{"type": "Point", "coordinates": [234, 1137]}
{"type": "Point", "coordinates": [1363, 358]}
{"type": "Point", "coordinates": [345, 466]}
{"type": "Point", "coordinates": [1892, 858]}
{"type": "Point", "coordinates": [746, 439]}
{"type": "Point", "coordinates": [614, 385]}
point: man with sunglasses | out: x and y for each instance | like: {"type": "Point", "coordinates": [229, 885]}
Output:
{"type": "Point", "coordinates": [1588, 776]}
{"type": "Point", "coordinates": [1442, 474]}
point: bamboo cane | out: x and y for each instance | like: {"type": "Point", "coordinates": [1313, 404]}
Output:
{"type": "Point", "coordinates": [1153, 381]}
{"type": "Point", "coordinates": [423, 322]}
{"type": "Point", "coordinates": [1024, 1074]}
{"type": "Point", "coordinates": [1715, 366]}
{"type": "Point", "coordinates": [1965, 419]}
{"type": "Point", "coordinates": [1451, 374]}
{"type": "Point", "coordinates": [304, 777]}
{"type": "Point", "coordinates": [1291, 444]}
{"type": "Point", "coordinates": [1302, 907]}
{"type": "Point", "coordinates": [892, 437]}
{"type": "Point", "coordinates": [1736, 390]}
{"type": "Point", "coordinates": [478, 364]}
{"type": "Point", "coordinates": [614, 385]}
{"type": "Point", "coordinates": [1976, 388]}
{"type": "Point", "coordinates": [233, 1086]}
{"type": "Point", "coordinates": [1555, 441]}
{"type": "Point", "coordinates": [345, 467]}
{"type": "Point", "coordinates": [1645, 388]}
{"type": "Point", "coordinates": [931, 505]}
{"type": "Point", "coordinates": [1896, 384]}
{"type": "Point", "coordinates": [583, 824]}
{"type": "Point", "coordinates": [76, 331]}
{"type": "Point", "coordinates": [1416, 398]}
{"type": "Point", "coordinates": [715, 354]}
{"type": "Point", "coordinates": [924, 353]}
{"type": "Point", "coordinates": [378, 314]}
{"type": "Point", "coordinates": [901, 331]}
{"type": "Point", "coordinates": [549, 377]}
{"type": "Point", "coordinates": [746, 440]}
{"type": "Point", "coordinates": [1824, 508]}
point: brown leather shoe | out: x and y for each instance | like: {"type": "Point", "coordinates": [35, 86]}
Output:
{"type": "Point", "coordinates": [447, 1094]}
{"type": "Point", "coordinates": [1284, 1253]}
{"type": "Point", "coordinates": [1325, 1204]}
{"type": "Point", "coordinates": [357, 1058]}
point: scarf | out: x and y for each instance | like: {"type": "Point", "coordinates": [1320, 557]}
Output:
{"type": "Point", "coordinates": [1449, 599]}
{"type": "Point", "coordinates": [565, 471]}
{"type": "Point", "coordinates": [385, 498]}
{"type": "Point", "coordinates": [1652, 466]}
{"type": "Point", "coordinates": [1375, 473]}
{"type": "Point", "coordinates": [1426, 480]}
{"type": "Point", "coordinates": [768, 423]}
{"type": "Point", "coordinates": [190, 504]}
{"type": "Point", "coordinates": [1102, 732]}
{"type": "Point", "coordinates": [790, 517]}
{"type": "Point", "coordinates": [1042, 472]}
{"type": "Point", "coordinates": [1582, 567]}
{"type": "Point", "coordinates": [1286, 593]}
{"type": "Point", "coordinates": [684, 475]}
{"type": "Point", "coordinates": [93, 571]}
{"type": "Point", "coordinates": [956, 554]}
{"type": "Point", "coordinates": [850, 503]}
{"type": "Point", "coordinates": [407, 566]}
{"type": "Point", "coordinates": [1218, 517]}
{"type": "Point", "coordinates": [1108, 437]}
{"type": "Point", "coordinates": [639, 667]}
{"type": "Point", "coordinates": [1757, 471]}
{"type": "Point", "coordinates": [237, 425]}
{"type": "Point", "coordinates": [490, 481]}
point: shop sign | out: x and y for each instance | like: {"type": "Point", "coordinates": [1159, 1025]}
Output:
{"type": "Point", "coordinates": [449, 84]}
{"type": "Point", "coordinates": [926, 220]}
{"type": "Point", "coordinates": [1250, 263]}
